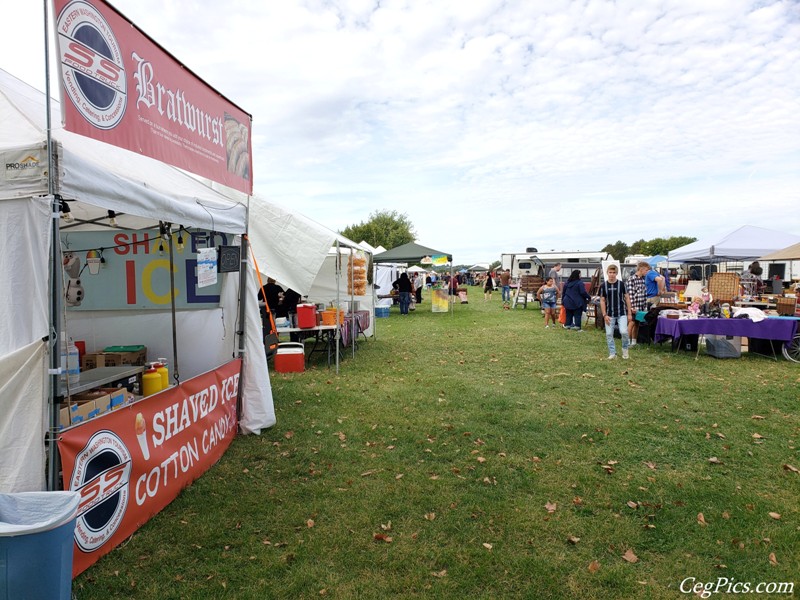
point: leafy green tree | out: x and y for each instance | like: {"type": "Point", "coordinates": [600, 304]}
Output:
{"type": "Point", "coordinates": [618, 250]}
{"type": "Point", "coordinates": [383, 228]}
{"type": "Point", "coordinates": [638, 247]}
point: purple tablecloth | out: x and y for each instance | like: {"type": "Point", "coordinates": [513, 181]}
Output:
{"type": "Point", "coordinates": [361, 325]}
{"type": "Point", "coordinates": [781, 329]}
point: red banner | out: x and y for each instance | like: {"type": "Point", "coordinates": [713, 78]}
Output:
{"type": "Point", "coordinates": [122, 88]}
{"type": "Point", "coordinates": [130, 463]}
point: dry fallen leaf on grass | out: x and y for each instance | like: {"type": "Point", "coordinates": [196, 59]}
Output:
{"type": "Point", "coordinates": [481, 459]}
{"type": "Point", "coordinates": [632, 504]}
{"type": "Point", "coordinates": [726, 515]}
{"type": "Point", "coordinates": [650, 465]}
{"type": "Point", "coordinates": [289, 435]}
{"type": "Point", "coordinates": [382, 537]}
{"type": "Point", "coordinates": [715, 461]}
{"type": "Point", "coordinates": [775, 515]}
{"type": "Point", "coordinates": [551, 507]}
{"type": "Point", "coordinates": [788, 467]}
{"type": "Point", "coordinates": [387, 527]}
{"type": "Point", "coordinates": [630, 557]}
{"type": "Point", "coordinates": [430, 516]}
{"type": "Point", "coordinates": [757, 436]}
{"type": "Point", "coordinates": [757, 417]}
{"type": "Point", "coordinates": [487, 546]}
{"type": "Point", "coordinates": [594, 566]}
{"type": "Point", "coordinates": [573, 540]}
{"type": "Point", "coordinates": [701, 519]}
{"type": "Point", "coordinates": [772, 559]}
{"type": "Point", "coordinates": [310, 523]}
{"type": "Point", "coordinates": [441, 573]}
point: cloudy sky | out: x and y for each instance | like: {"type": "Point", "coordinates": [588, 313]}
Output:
{"type": "Point", "coordinates": [498, 125]}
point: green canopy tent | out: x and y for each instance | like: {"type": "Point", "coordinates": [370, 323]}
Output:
{"type": "Point", "coordinates": [412, 253]}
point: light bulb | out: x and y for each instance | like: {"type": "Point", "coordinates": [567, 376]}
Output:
{"type": "Point", "coordinates": [112, 218]}
{"type": "Point", "coordinates": [161, 248]}
{"type": "Point", "coordinates": [181, 245]}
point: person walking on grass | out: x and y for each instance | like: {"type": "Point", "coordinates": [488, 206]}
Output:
{"type": "Point", "coordinates": [403, 286]}
{"type": "Point", "coordinates": [505, 283]}
{"type": "Point", "coordinates": [637, 290]}
{"type": "Point", "coordinates": [615, 306]}
{"type": "Point", "coordinates": [488, 287]}
{"type": "Point", "coordinates": [548, 298]}
{"type": "Point", "coordinates": [574, 299]}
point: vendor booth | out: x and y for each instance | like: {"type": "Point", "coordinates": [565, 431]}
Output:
{"type": "Point", "coordinates": [134, 241]}
{"type": "Point", "coordinates": [745, 243]}
{"type": "Point", "coordinates": [412, 253]}
{"type": "Point", "coordinates": [322, 266]}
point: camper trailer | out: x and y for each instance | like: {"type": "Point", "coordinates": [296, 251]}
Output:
{"type": "Point", "coordinates": [540, 263]}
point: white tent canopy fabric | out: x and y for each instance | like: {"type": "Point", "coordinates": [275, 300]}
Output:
{"type": "Point", "coordinates": [94, 178]}
{"type": "Point", "coordinates": [745, 243]}
{"type": "Point", "coordinates": [290, 247]}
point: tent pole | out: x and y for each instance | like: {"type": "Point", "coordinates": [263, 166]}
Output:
{"type": "Point", "coordinates": [164, 228]}
{"type": "Point", "coordinates": [338, 282]}
{"type": "Point", "coordinates": [353, 331]}
{"type": "Point", "coordinates": [53, 462]}
{"type": "Point", "coordinates": [243, 262]}
{"type": "Point", "coordinates": [373, 320]}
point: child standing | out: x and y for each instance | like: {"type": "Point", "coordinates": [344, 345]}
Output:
{"type": "Point", "coordinates": [548, 297]}
{"type": "Point", "coordinates": [615, 304]}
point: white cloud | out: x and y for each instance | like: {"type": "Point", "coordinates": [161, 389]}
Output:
{"type": "Point", "coordinates": [500, 125]}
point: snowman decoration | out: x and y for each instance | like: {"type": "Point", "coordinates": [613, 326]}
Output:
{"type": "Point", "coordinates": [72, 270]}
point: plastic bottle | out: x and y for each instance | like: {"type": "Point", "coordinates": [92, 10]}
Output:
{"type": "Point", "coordinates": [163, 370]}
{"type": "Point", "coordinates": [151, 382]}
{"type": "Point", "coordinates": [70, 361]}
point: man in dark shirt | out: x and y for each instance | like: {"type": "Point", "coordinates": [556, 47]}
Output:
{"type": "Point", "coordinates": [615, 305]}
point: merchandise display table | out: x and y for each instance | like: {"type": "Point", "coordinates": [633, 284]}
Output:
{"type": "Point", "coordinates": [782, 329]}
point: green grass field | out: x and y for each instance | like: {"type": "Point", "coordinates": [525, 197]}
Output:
{"type": "Point", "coordinates": [479, 455]}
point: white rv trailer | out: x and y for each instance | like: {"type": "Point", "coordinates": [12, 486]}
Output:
{"type": "Point", "coordinates": [539, 263]}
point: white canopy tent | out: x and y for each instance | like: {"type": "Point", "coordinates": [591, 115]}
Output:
{"type": "Point", "coordinates": [305, 256]}
{"type": "Point", "coordinates": [94, 178]}
{"type": "Point", "coordinates": [745, 243]}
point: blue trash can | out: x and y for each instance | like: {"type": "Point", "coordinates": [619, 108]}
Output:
{"type": "Point", "coordinates": [36, 544]}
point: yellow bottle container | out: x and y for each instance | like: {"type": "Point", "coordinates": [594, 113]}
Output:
{"type": "Point", "coordinates": [161, 368]}
{"type": "Point", "coordinates": [151, 382]}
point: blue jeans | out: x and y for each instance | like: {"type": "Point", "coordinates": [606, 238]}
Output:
{"type": "Point", "coordinates": [506, 292]}
{"type": "Point", "coordinates": [623, 332]}
{"type": "Point", "coordinates": [574, 318]}
{"type": "Point", "coordinates": [405, 302]}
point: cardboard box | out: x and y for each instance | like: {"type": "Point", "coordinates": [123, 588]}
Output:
{"type": "Point", "coordinates": [135, 357]}
{"type": "Point", "coordinates": [95, 360]}
{"type": "Point", "coordinates": [77, 412]}
{"type": "Point", "coordinates": [117, 396]}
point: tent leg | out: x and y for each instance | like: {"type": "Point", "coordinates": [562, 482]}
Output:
{"type": "Point", "coordinates": [243, 262]}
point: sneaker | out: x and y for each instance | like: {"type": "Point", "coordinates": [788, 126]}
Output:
{"type": "Point", "coordinates": [578, 329]}
{"type": "Point", "coordinates": [625, 354]}
{"type": "Point", "coordinates": [612, 356]}
{"type": "Point", "coordinates": [632, 343]}
{"type": "Point", "coordinates": [547, 326]}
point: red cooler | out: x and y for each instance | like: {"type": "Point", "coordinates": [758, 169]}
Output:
{"type": "Point", "coordinates": [306, 316]}
{"type": "Point", "coordinates": [290, 358]}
